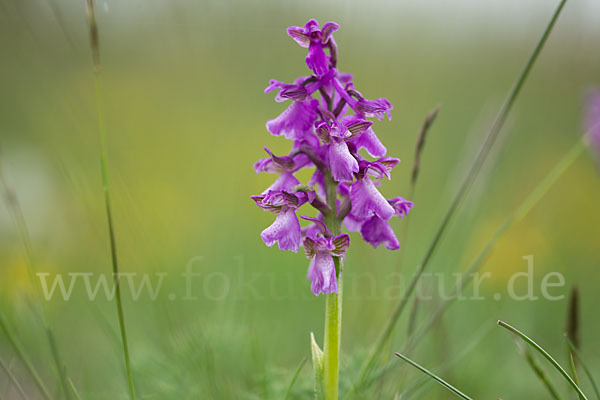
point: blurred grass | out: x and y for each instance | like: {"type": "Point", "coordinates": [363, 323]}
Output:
{"type": "Point", "coordinates": [185, 118]}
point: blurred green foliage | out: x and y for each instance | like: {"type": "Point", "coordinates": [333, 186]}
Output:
{"type": "Point", "coordinates": [185, 118]}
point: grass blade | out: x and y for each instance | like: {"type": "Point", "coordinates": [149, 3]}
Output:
{"type": "Point", "coordinates": [466, 184]}
{"type": "Point", "coordinates": [587, 371]}
{"type": "Point", "coordinates": [574, 371]}
{"type": "Point", "coordinates": [94, 44]}
{"type": "Point", "coordinates": [471, 343]}
{"type": "Point", "coordinates": [530, 201]}
{"type": "Point", "coordinates": [14, 380]}
{"type": "Point", "coordinates": [21, 353]}
{"type": "Point", "coordinates": [572, 331]}
{"type": "Point", "coordinates": [75, 392]}
{"type": "Point", "coordinates": [18, 217]}
{"type": "Point", "coordinates": [539, 371]}
{"type": "Point", "coordinates": [429, 119]}
{"type": "Point", "coordinates": [294, 378]}
{"type": "Point", "coordinates": [547, 356]}
{"type": "Point", "coordinates": [435, 377]}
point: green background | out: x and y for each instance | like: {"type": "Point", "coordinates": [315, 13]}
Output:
{"type": "Point", "coordinates": [185, 114]}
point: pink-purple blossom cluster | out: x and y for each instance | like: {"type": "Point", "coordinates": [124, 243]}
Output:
{"type": "Point", "coordinates": [327, 134]}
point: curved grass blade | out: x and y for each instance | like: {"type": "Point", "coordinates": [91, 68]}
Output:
{"type": "Point", "coordinates": [95, 48]}
{"type": "Point", "coordinates": [294, 378]}
{"type": "Point", "coordinates": [539, 371]}
{"type": "Point", "coordinates": [435, 377]}
{"type": "Point", "coordinates": [587, 371]}
{"type": "Point", "coordinates": [544, 353]}
{"type": "Point", "coordinates": [471, 343]}
{"type": "Point", "coordinates": [465, 186]}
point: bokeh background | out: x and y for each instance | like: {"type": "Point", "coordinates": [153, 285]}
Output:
{"type": "Point", "coordinates": [185, 114]}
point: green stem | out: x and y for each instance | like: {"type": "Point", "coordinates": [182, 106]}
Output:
{"type": "Point", "coordinates": [333, 333]}
{"type": "Point", "coordinates": [105, 185]}
{"type": "Point", "coordinates": [333, 307]}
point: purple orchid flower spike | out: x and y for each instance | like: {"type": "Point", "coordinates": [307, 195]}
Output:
{"type": "Point", "coordinates": [316, 40]}
{"type": "Point", "coordinates": [328, 121]}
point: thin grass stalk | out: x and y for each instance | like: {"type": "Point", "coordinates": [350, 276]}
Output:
{"type": "Point", "coordinates": [526, 206]}
{"type": "Point", "coordinates": [419, 148]}
{"type": "Point", "coordinates": [539, 372]}
{"type": "Point", "coordinates": [574, 371]}
{"type": "Point", "coordinates": [472, 343]}
{"type": "Point", "coordinates": [288, 392]}
{"type": "Point", "coordinates": [435, 377]}
{"type": "Point", "coordinates": [95, 48]}
{"type": "Point", "coordinates": [74, 389]}
{"type": "Point", "coordinates": [21, 353]}
{"type": "Point", "coordinates": [547, 356]}
{"type": "Point", "coordinates": [23, 232]}
{"type": "Point", "coordinates": [587, 371]}
{"type": "Point", "coordinates": [13, 380]}
{"type": "Point", "coordinates": [431, 116]}
{"type": "Point", "coordinates": [466, 184]}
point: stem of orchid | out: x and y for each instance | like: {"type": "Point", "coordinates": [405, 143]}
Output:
{"type": "Point", "coordinates": [333, 307]}
{"type": "Point", "coordinates": [333, 333]}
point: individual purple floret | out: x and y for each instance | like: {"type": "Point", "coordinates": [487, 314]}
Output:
{"type": "Point", "coordinates": [328, 133]}
{"type": "Point", "coordinates": [322, 268]}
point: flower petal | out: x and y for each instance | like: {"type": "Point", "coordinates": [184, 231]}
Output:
{"type": "Point", "coordinates": [296, 121]}
{"type": "Point", "coordinates": [327, 30]}
{"type": "Point", "coordinates": [340, 244]}
{"type": "Point", "coordinates": [317, 59]}
{"type": "Point", "coordinates": [322, 274]}
{"type": "Point", "coordinates": [342, 163]}
{"type": "Point", "coordinates": [374, 108]}
{"type": "Point", "coordinates": [352, 223]}
{"type": "Point", "coordinates": [367, 200]}
{"type": "Point", "coordinates": [401, 206]}
{"type": "Point", "coordinates": [371, 143]}
{"type": "Point", "coordinates": [297, 33]}
{"type": "Point", "coordinates": [377, 231]}
{"type": "Point", "coordinates": [285, 231]}
{"type": "Point", "coordinates": [286, 182]}
{"type": "Point", "coordinates": [320, 225]}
